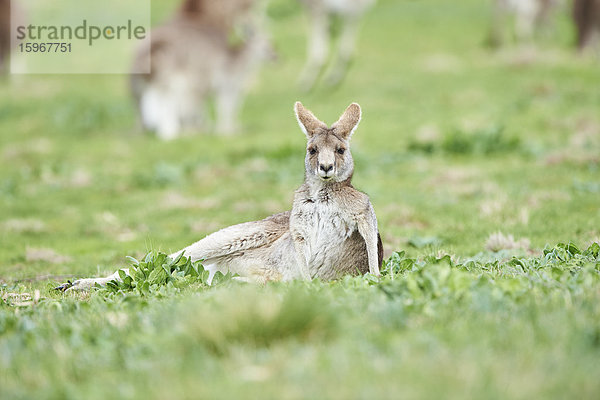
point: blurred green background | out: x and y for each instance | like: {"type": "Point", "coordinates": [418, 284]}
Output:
{"type": "Point", "coordinates": [457, 142]}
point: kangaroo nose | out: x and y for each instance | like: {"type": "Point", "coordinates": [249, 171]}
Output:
{"type": "Point", "coordinates": [326, 168]}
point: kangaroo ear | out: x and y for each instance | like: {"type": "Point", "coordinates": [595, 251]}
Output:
{"type": "Point", "coordinates": [348, 122]}
{"type": "Point", "coordinates": [307, 121]}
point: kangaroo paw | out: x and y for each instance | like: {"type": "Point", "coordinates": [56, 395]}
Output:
{"type": "Point", "coordinates": [82, 284]}
{"type": "Point", "coordinates": [64, 286]}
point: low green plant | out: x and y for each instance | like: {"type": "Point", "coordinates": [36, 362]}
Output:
{"type": "Point", "coordinates": [157, 270]}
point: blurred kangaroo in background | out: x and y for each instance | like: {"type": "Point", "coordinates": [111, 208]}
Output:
{"type": "Point", "coordinates": [530, 17]}
{"type": "Point", "coordinates": [4, 33]}
{"type": "Point", "coordinates": [320, 14]}
{"type": "Point", "coordinates": [586, 14]}
{"type": "Point", "coordinates": [208, 49]}
{"type": "Point", "coordinates": [330, 231]}
{"type": "Point", "coordinates": [5, 37]}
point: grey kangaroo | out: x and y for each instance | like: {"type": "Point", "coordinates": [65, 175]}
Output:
{"type": "Point", "coordinates": [330, 231]}
{"type": "Point", "coordinates": [194, 58]}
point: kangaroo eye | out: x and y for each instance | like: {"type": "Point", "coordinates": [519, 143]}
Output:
{"type": "Point", "coordinates": [341, 151]}
{"type": "Point", "coordinates": [312, 151]}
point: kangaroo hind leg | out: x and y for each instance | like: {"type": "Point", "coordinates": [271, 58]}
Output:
{"type": "Point", "coordinates": [237, 238]}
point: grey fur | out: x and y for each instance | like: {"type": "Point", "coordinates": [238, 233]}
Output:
{"type": "Point", "coordinates": [193, 59]}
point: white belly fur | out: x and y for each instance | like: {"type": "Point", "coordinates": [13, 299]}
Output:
{"type": "Point", "coordinates": [325, 237]}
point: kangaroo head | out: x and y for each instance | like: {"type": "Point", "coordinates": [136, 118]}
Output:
{"type": "Point", "coordinates": [328, 157]}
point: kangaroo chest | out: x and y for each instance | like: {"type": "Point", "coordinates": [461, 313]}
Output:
{"type": "Point", "coordinates": [325, 227]}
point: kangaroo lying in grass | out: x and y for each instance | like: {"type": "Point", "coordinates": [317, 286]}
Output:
{"type": "Point", "coordinates": [330, 231]}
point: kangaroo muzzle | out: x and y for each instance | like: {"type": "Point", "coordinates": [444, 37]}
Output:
{"type": "Point", "coordinates": [326, 162]}
{"type": "Point", "coordinates": [326, 171]}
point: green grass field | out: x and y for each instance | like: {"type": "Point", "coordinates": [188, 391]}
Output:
{"type": "Point", "coordinates": [456, 143]}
